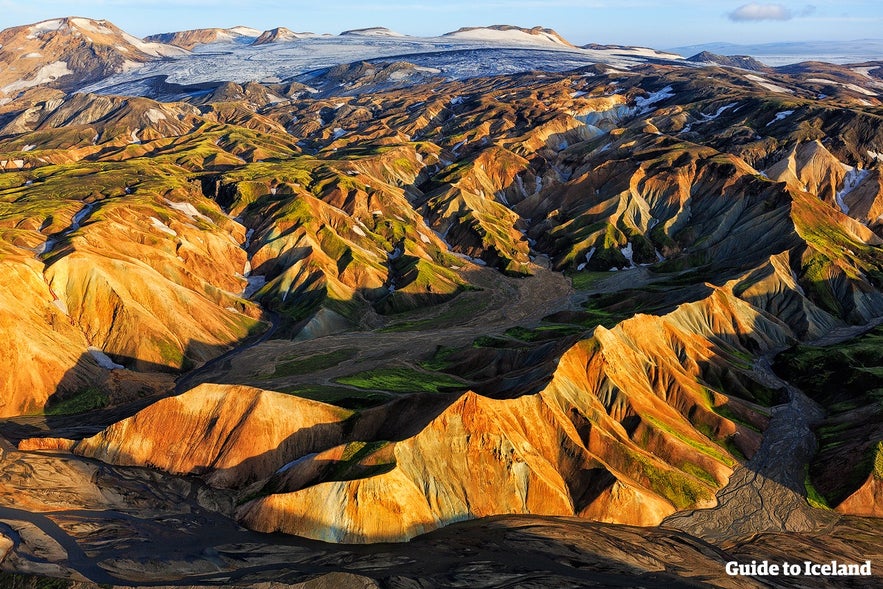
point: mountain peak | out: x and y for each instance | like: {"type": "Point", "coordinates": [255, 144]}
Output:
{"type": "Point", "coordinates": [63, 51]}
{"type": "Point", "coordinates": [279, 35]}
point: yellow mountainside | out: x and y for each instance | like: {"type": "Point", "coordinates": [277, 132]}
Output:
{"type": "Point", "coordinates": [235, 434]}
{"type": "Point", "coordinates": [42, 357]}
{"type": "Point", "coordinates": [615, 437]}
{"type": "Point", "coordinates": [629, 430]}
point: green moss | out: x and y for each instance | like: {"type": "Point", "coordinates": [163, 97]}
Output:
{"type": "Point", "coordinates": [349, 467]}
{"type": "Point", "coordinates": [730, 444]}
{"type": "Point", "coordinates": [725, 411]}
{"type": "Point", "coordinates": [878, 461]}
{"type": "Point", "coordinates": [543, 332]}
{"type": "Point", "coordinates": [311, 364]}
{"type": "Point", "coordinates": [457, 311]}
{"type": "Point", "coordinates": [440, 359]}
{"type": "Point", "coordinates": [584, 280]}
{"type": "Point", "coordinates": [348, 398]}
{"type": "Point", "coordinates": [699, 472]}
{"type": "Point", "coordinates": [707, 449]}
{"type": "Point", "coordinates": [402, 380]}
{"type": "Point", "coordinates": [683, 490]}
{"type": "Point", "coordinates": [813, 497]}
{"type": "Point", "coordinates": [82, 401]}
{"type": "Point", "coordinates": [170, 353]}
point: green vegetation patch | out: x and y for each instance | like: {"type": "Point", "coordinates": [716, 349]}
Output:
{"type": "Point", "coordinates": [813, 497]}
{"type": "Point", "coordinates": [683, 490]}
{"type": "Point", "coordinates": [543, 332]}
{"type": "Point", "coordinates": [402, 380]}
{"type": "Point", "coordinates": [345, 397]}
{"type": "Point", "coordinates": [82, 401]}
{"type": "Point", "coordinates": [354, 453]}
{"type": "Point", "coordinates": [310, 364]}
{"type": "Point", "coordinates": [707, 449]}
{"type": "Point", "coordinates": [847, 380]}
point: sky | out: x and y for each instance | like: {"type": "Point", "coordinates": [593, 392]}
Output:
{"type": "Point", "coordinates": [660, 24]}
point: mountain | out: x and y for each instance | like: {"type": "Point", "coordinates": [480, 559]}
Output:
{"type": "Point", "coordinates": [510, 34]}
{"type": "Point", "coordinates": [372, 32]}
{"type": "Point", "coordinates": [68, 52]}
{"type": "Point", "coordinates": [783, 53]}
{"type": "Point", "coordinates": [279, 35]}
{"type": "Point", "coordinates": [744, 62]}
{"type": "Point", "coordinates": [191, 38]}
{"type": "Point", "coordinates": [482, 303]}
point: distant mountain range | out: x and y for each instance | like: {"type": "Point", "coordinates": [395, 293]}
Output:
{"type": "Point", "coordinates": [794, 52]}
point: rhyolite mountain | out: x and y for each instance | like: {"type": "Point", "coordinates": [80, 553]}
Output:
{"type": "Point", "coordinates": [372, 299]}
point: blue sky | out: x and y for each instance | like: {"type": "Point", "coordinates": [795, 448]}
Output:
{"type": "Point", "coordinates": [659, 24]}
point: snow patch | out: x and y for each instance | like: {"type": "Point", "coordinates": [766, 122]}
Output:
{"type": "Point", "coordinates": [767, 84]}
{"type": "Point", "coordinates": [628, 252]}
{"type": "Point", "coordinates": [719, 112]}
{"type": "Point", "coordinates": [155, 115]}
{"type": "Point", "coordinates": [780, 116]}
{"type": "Point", "coordinates": [157, 224]}
{"type": "Point", "coordinates": [189, 210]}
{"type": "Point", "coordinates": [28, 147]}
{"type": "Point", "coordinates": [155, 49]}
{"type": "Point", "coordinates": [294, 463]}
{"type": "Point", "coordinates": [358, 230]}
{"type": "Point", "coordinates": [92, 26]}
{"type": "Point", "coordinates": [644, 104]}
{"type": "Point", "coordinates": [48, 73]}
{"type": "Point", "coordinates": [61, 306]}
{"type": "Point", "coordinates": [80, 215]}
{"type": "Point", "coordinates": [508, 36]}
{"type": "Point", "coordinates": [589, 255]}
{"type": "Point", "coordinates": [45, 247]}
{"type": "Point", "coordinates": [853, 178]}
{"type": "Point", "coordinates": [103, 359]}
{"type": "Point", "coordinates": [44, 27]}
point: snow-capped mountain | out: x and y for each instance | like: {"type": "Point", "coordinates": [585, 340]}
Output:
{"type": "Point", "coordinates": [68, 52]}
{"type": "Point", "coordinates": [191, 38]}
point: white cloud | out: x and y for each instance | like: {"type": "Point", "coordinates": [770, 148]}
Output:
{"type": "Point", "coordinates": [756, 12]}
